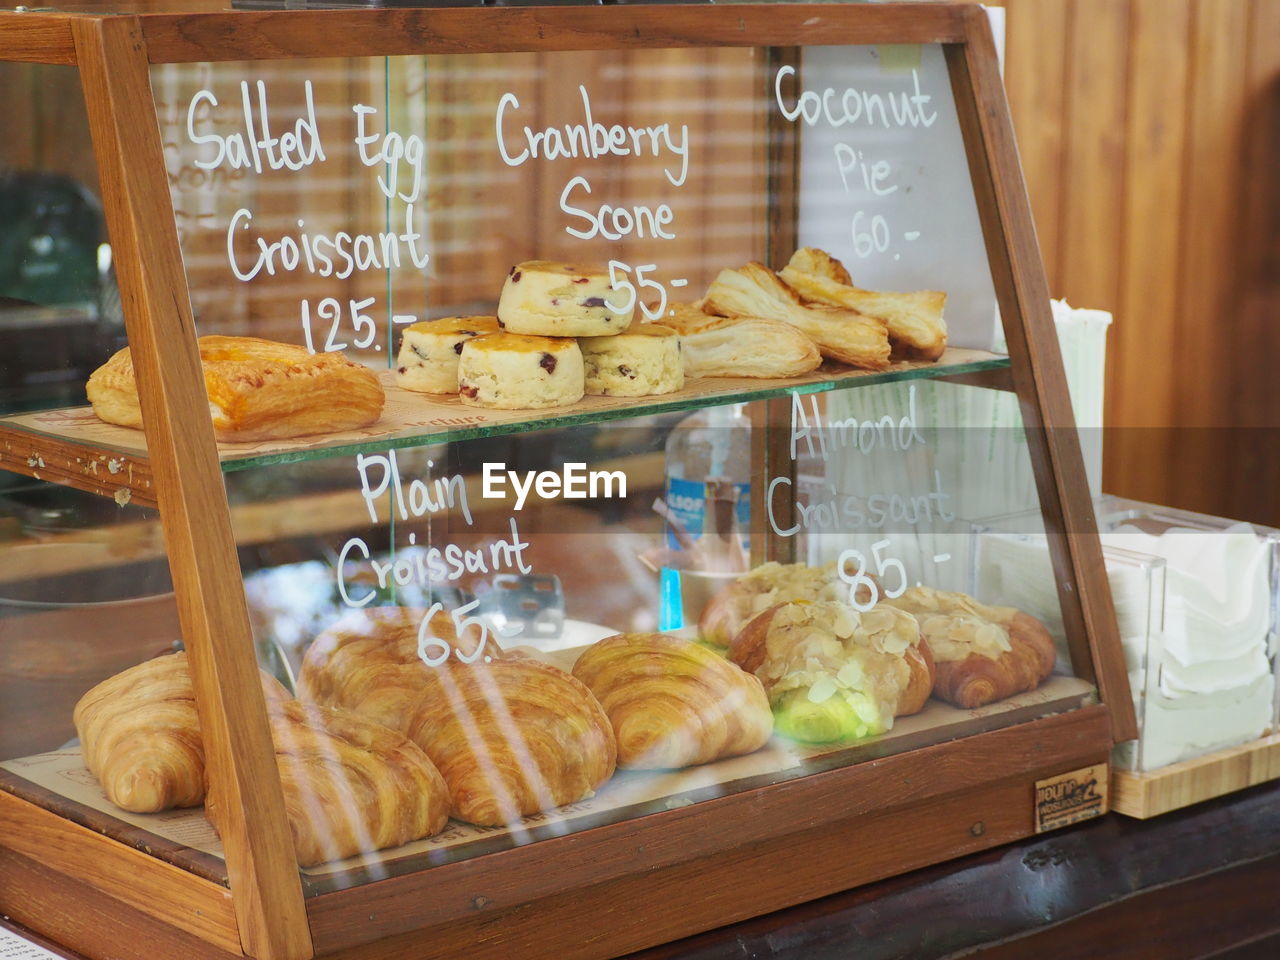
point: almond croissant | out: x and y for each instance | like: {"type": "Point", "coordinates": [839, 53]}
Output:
{"type": "Point", "coordinates": [674, 703]}
{"type": "Point", "coordinates": [833, 673]}
{"type": "Point", "coordinates": [350, 785]}
{"type": "Point", "coordinates": [983, 653]}
{"type": "Point", "coordinates": [511, 737]}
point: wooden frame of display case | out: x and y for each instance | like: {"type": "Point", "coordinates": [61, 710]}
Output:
{"type": "Point", "coordinates": [613, 888]}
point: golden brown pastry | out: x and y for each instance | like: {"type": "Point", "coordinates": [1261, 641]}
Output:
{"type": "Point", "coordinates": [983, 653]}
{"type": "Point", "coordinates": [140, 736]}
{"type": "Point", "coordinates": [350, 785]}
{"type": "Point", "coordinates": [754, 592]}
{"type": "Point", "coordinates": [916, 328]}
{"type": "Point", "coordinates": [511, 737]}
{"type": "Point", "coordinates": [833, 673]}
{"type": "Point", "coordinates": [740, 346]}
{"type": "Point", "coordinates": [674, 703]}
{"type": "Point", "coordinates": [840, 333]}
{"type": "Point", "coordinates": [368, 661]}
{"type": "Point", "coordinates": [258, 390]}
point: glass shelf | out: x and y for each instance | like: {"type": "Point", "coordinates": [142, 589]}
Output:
{"type": "Point", "coordinates": [71, 446]}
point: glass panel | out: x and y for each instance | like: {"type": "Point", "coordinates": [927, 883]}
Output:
{"type": "Point", "coordinates": [783, 551]}
{"type": "Point", "coordinates": [84, 583]}
{"type": "Point", "coordinates": [59, 310]}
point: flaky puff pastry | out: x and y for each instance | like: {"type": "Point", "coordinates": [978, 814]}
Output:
{"type": "Point", "coordinates": [841, 334]}
{"type": "Point", "coordinates": [983, 653]}
{"type": "Point", "coordinates": [769, 584]}
{"type": "Point", "coordinates": [672, 702]}
{"type": "Point", "coordinates": [258, 390]}
{"type": "Point", "coordinates": [350, 785]}
{"type": "Point", "coordinates": [511, 736]}
{"type": "Point", "coordinates": [835, 673]}
{"type": "Point", "coordinates": [917, 330]}
{"type": "Point", "coordinates": [369, 660]}
{"type": "Point", "coordinates": [740, 346]}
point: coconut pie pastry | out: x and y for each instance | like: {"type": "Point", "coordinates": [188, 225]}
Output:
{"type": "Point", "coordinates": [757, 590]}
{"type": "Point", "coordinates": [740, 346]}
{"type": "Point", "coordinates": [258, 390]}
{"type": "Point", "coordinates": [833, 673]}
{"type": "Point", "coordinates": [511, 736]}
{"type": "Point", "coordinates": [983, 653]}
{"type": "Point", "coordinates": [916, 328]}
{"type": "Point", "coordinates": [672, 702]}
{"type": "Point", "coordinates": [350, 785]}
{"type": "Point", "coordinates": [840, 333]}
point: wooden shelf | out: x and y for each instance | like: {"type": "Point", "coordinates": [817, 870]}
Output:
{"type": "Point", "coordinates": [1146, 795]}
{"type": "Point", "coordinates": [73, 447]}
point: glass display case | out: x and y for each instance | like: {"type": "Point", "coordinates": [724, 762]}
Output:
{"type": "Point", "coordinates": [531, 482]}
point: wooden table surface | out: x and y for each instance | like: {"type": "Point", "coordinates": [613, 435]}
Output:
{"type": "Point", "coordinates": [1202, 883]}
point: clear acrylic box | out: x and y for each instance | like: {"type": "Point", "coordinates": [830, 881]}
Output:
{"type": "Point", "coordinates": [1196, 600]}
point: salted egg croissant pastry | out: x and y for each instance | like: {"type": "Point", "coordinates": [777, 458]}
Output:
{"type": "Point", "coordinates": [840, 333]}
{"type": "Point", "coordinates": [983, 653]}
{"type": "Point", "coordinates": [258, 390]}
{"type": "Point", "coordinates": [833, 673]}
{"type": "Point", "coordinates": [672, 702]}
{"type": "Point", "coordinates": [916, 327]}
{"type": "Point", "coordinates": [350, 785]}
{"type": "Point", "coordinates": [755, 591]}
{"type": "Point", "coordinates": [510, 736]}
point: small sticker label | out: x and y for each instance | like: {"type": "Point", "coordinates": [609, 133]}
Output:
{"type": "Point", "coordinates": [1071, 797]}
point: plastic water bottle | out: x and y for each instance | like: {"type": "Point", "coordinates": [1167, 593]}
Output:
{"type": "Point", "coordinates": [708, 489]}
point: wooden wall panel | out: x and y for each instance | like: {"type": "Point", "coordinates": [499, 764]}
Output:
{"type": "Point", "coordinates": [1091, 228]}
{"type": "Point", "coordinates": [1150, 137]}
{"type": "Point", "coordinates": [1036, 55]}
{"type": "Point", "coordinates": [1154, 161]}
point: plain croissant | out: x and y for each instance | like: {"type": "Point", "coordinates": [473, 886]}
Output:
{"type": "Point", "coordinates": [674, 703]}
{"type": "Point", "coordinates": [350, 785]}
{"type": "Point", "coordinates": [511, 737]}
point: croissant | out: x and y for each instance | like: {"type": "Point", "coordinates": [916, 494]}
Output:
{"type": "Point", "coordinates": [350, 785]}
{"type": "Point", "coordinates": [983, 653]}
{"type": "Point", "coordinates": [840, 333]}
{"type": "Point", "coordinates": [754, 592]}
{"type": "Point", "coordinates": [368, 661]}
{"type": "Point", "coordinates": [916, 328]}
{"type": "Point", "coordinates": [833, 673]}
{"type": "Point", "coordinates": [674, 703]}
{"type": "Point", "coordinates": [511, 737]}
{"type": "Point", "coordinates": [140, 736]}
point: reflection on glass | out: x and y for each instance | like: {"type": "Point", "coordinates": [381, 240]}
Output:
{"type": "Point", "coordinates": [555, 501]}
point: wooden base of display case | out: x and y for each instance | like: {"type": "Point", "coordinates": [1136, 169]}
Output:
{"type": "Point", "coordinates": [597, 893]}
{"type": "Point", "coordinates": [1146, 795]}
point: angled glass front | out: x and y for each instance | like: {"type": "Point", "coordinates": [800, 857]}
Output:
{"type": "Point", "coordinates": [599, 458]}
